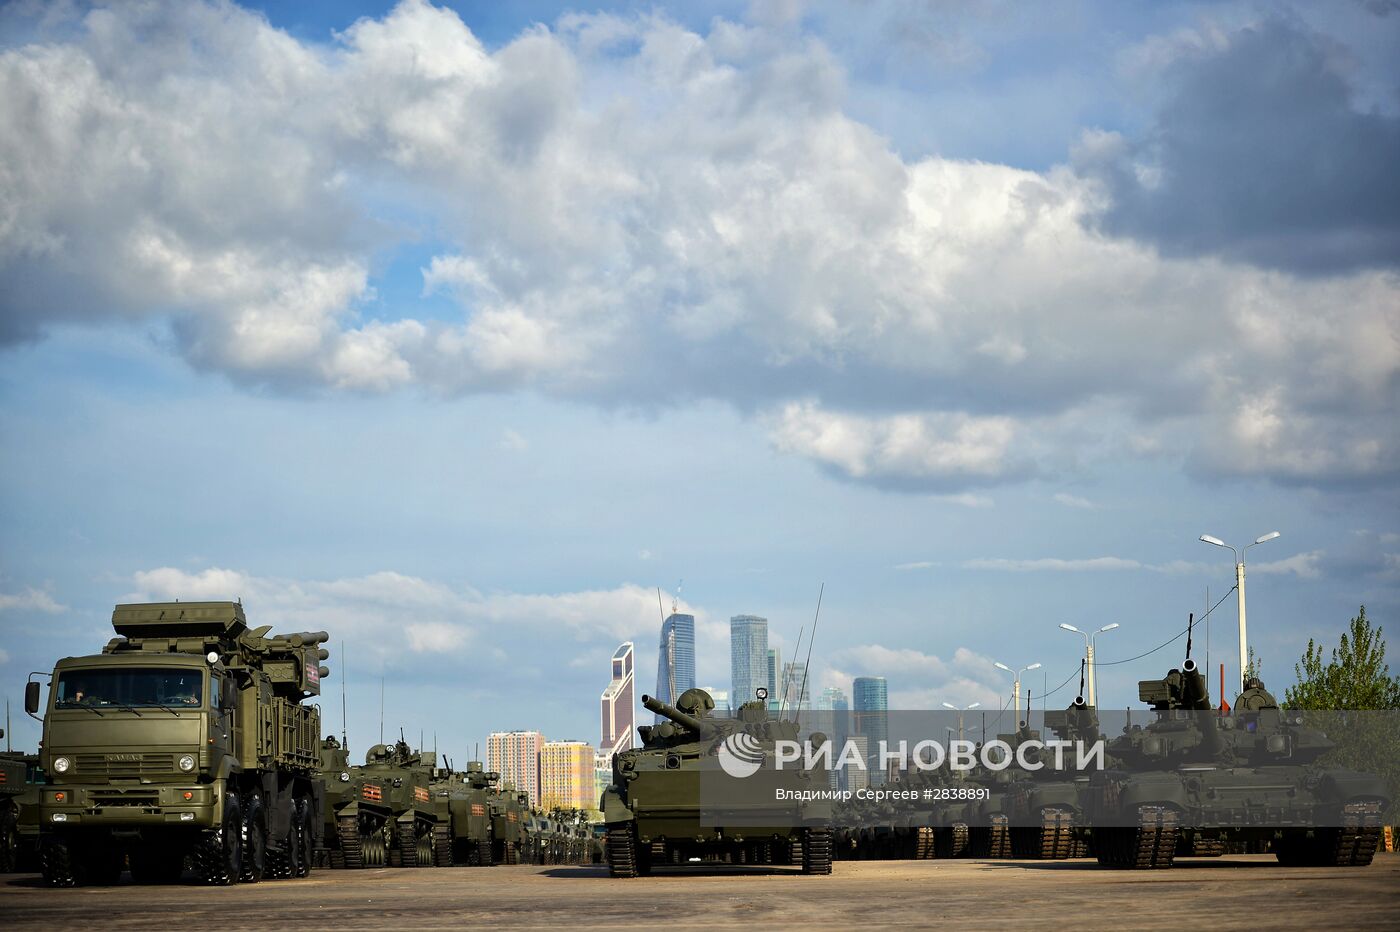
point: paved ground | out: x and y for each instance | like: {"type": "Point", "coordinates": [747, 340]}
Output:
{"type": "Point", "coordinates": [1234, 892]}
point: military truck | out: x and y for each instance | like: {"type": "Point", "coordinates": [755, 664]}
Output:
{"type": "Point", "coordinates": [654, 806]}
{"type": "Point", "coordinates": [188, 736]}
{"type": "Point", "coordinates": [19, 810]}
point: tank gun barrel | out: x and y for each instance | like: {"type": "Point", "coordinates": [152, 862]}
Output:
{"type": "Point", "coordinates": [673, 713]}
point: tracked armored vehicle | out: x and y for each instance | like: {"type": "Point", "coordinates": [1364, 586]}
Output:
{"type": "Point", "coordinates": [383, 812]}
{"type": "Point", "coordinates": [469, 797]}
{"type": "Point", "coordinates": [189, 736]}
{"type": "Point", "coordinates": [654, 811]}
{"type": "Point", "coordinates": [1194, 781]}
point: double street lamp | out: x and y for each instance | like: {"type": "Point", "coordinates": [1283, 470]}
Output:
{"type": "Point", "coordinates": [1016, 689]}
{"type": "Point", "coordinates": [960, 711]}
{"type": "Point", "coordinates": [1089, 657]}
{"type": "Point", "coordinates": [1239, 589]}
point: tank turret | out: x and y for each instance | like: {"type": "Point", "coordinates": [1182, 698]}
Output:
{"type": "Point", "coordinates": [683, 719]}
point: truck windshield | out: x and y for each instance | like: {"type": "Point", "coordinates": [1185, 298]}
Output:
{"type": "Point", "coordinates": [131, 687]}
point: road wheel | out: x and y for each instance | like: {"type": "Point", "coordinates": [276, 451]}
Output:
{"type": "Point", "coordinates": [254, 839]}
{"type": "Point", "coordinates": [219, 858]}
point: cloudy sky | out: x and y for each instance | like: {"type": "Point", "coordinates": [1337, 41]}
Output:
{"type": "Point", "coordinates": [458, 330]}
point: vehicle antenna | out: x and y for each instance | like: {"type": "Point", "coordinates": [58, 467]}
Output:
{"type": "Point", "coordinates": [381, 708]}
{"type": "Point", "coordinates": [1081, 677]}
{"type": "Point", "coordinates": [659, 607]}
{"type": "Point", "coordinates": [810, 641]}
{"type": "Point", "coordinates": [7, 723]}
{"type": "Point", "coordinates": [780, 680]}
{"type": "Point", "coordinates": [344, 727]}
{"type": "Point", "coordinates": [1207, 617]}
{"type": "Point", "coordinates": [1190, 620]}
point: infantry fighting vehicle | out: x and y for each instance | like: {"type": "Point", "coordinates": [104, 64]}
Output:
{"type": "Point", "coordinates": [19, 809]}
{"type": "Point", "coordinates": [653, 808]}
{"type": "Point", "coordinates": [382, 812]}
{"type": "Point", "coordinates": [1193, 777]}
{"type": "Point", "coordinates": [510, 814]}
{"type": "Point", "coordinates": [469, 796]}
{"type": "Point", "coordinates": [188, 736]}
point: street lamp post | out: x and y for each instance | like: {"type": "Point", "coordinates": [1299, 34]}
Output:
{"type": "Point", "coordinates": [1239, 589]}
{"type": "Point", "coordinates": [1089, 637]}
{"type": "Point", "coordinates": [1016, 689]}
{"type": "Point", "coordinates": [949, 705]}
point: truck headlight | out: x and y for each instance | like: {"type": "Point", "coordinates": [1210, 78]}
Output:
{"type": "Point", "coordinates": [186, 762]}
{"type": "Point", "coordinates": [344, 777]}
{"type": "Point", "coordinates": [61, 764]}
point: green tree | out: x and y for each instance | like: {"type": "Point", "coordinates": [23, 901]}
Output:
{"type": "Point", "coordinates": [1356, 677]}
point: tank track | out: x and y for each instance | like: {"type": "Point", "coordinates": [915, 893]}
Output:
{"type": "Point", "coordinates": [1052, 840]}
{"type": "Point", "coordinates": [351, 857]}
{"type": "Point", "coordinates": [1353, 844]}
{"type": "Point", "coordinates": [925, 848]}
{"type": "Point", "coordinates": [1149, 846]}
{"type": "Point", "coordinates": [992, 841]}
{"type": "Point", "coordinates": [816, 851]}
{"type": "Point", "coordinates": [952, 842]}
{"type": "Point", "coordinates": [1201, 847]}
{"type": "Point", "coordinates": [442, 845]}
{"type": "Point", "coordinates": [622, 851]}
{"type": "Point", "coordinates": [405, 850]}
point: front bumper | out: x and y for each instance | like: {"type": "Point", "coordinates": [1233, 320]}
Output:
{"type": "Point", "coordinates": [198, 805]}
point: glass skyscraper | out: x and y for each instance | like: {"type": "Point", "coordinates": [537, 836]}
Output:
{"type": "Point", "coordinates": [748, 657]}
{"type": "Point", "coordinates": [775, 664]}
{"type": "Point", "coordinates": [872, 719]}
{"type": "Point", "coordinates": [675, 659]}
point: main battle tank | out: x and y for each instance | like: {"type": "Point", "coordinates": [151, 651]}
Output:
{"type": "Point", "coordinates": [653, 808]}
{"type": "Point", "coordinates": [1046, 806]}
{"type": "Point", "coordinates": [1194, 780]}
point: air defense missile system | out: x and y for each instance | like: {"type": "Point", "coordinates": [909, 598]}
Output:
{"type": "Point", "coordinates": [382, 811]}
{"type": "Point", "coordinates": [19, 809]}
{"type": "Point", "coordinates": [654, 811]}
{"type": "Point", "coordinates": [1195, 779]}
{"type": "Point", "coordinates": [188, 736]}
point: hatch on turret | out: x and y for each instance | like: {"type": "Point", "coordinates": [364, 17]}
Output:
{"type": "Point", "coordinates": [180, 619]}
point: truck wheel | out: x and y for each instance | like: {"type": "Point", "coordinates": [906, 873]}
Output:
{"type": "Point", "coordinates": [303, 834]}
{"type": "Point", "coordinates": [219, 858]}
{"type": "Point", "coordinates": [58, 865]}
{"type": "Point", "coordinates": [254, 840]}
{"type": "Point", "coordinates": [9, 842]}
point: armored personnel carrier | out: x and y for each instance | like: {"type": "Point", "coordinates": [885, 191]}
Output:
{"type": "Point", "coordinates": [653, 808]}
{"type": "Point", "coordinates": [1195, 780]}
{"type": "Point", "coordinates": [510, 813]}
{"type": "Point", "coordinates": [188, 736]}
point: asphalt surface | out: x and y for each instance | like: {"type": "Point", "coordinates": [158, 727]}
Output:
{"type": "Point", "coordinates": [1247, 891]}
